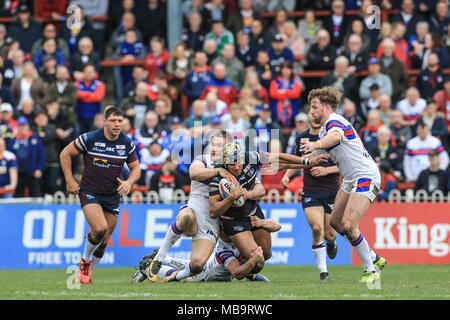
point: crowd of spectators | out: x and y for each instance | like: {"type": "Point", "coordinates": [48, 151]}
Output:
{"type": "Point", "coordinates": [235, 68]}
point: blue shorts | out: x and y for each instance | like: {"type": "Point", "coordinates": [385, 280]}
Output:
{"type": "Point", "coordinates": [109, 202]}
{"type": "Point", "coordinates": [232, 226]}
{"type": "Point", "coordinates": [319, 199]}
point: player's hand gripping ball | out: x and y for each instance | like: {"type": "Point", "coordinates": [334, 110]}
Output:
{"type": "Point", "coordinates": [225, 190]}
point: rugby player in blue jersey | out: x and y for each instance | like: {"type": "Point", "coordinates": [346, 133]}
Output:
{"type": "Point", "coordinates": [105, 152]}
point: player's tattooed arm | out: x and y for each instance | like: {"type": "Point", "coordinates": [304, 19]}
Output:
{"type": "Point", "coordinates": [268, 224]}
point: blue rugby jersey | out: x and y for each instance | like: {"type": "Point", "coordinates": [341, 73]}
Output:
{"type": "Point", "coordinates": [103, 160]}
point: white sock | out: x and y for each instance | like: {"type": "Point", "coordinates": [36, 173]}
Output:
{"type": "Point", "coordinates": [94, 262]}
{"type": "Point", "coordinates": [89, 249]}
{"type": "Point", "coordinates": [165, 271]}
{"type": "Point", "coordinates": [373, 255]}
{"type": "Point", "coordinates": [185, 273]}
{"type": "Point", "coordinates": [363, 250]}
{"type": "Point", "coordinates": [176, 263]}
{"type": "Point", "coordinates": [320, 253]}
{"type": "Point", "coordinates": [172, 235]}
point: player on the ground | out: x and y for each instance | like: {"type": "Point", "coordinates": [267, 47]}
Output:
{"type": "Point", "coordinates": [193, 219]}
{"type": "Point", "coordinates": [105, 152]}
{"type": "Point", "coordinates": [236, 220]}
{"type": "Point", "coordinates": [321, 184]}
{"type": "Point", "coordinates": [361, 175]}
{"type": "Point", "coordinates": [224, 264]}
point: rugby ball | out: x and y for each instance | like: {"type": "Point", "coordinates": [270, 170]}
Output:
{"type": "Point", "coordinates": [224, 189]}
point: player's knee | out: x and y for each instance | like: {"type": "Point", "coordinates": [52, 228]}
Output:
{"type": "Point", "coordinates": [348, 229]}
{"type": "Point", "coordinates": [97, 234]}
{"type": "Point", "coordinates": [197, 265]}
{"type": "Point", "coordinates": [316, 231]}
{"type": "Point", "coordinates": [185, 220]}
{"type": "Point", "coordinates": [336, 225]}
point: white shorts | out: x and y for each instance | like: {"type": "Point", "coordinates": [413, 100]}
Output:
{"type": "Point", "coordinates": [367, 186]}
{"type": "Point", "coordinates": [207, 227]}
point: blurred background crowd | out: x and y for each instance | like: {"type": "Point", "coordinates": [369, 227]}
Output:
{"type": "Point", "coordinates": [238, 65]}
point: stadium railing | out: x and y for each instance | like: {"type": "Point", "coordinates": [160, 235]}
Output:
{"type": "Point", "coordinates": [272, 196]}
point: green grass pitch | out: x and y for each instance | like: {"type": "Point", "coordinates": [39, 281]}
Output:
{"type": "Point", "coordinates": [287, 282]}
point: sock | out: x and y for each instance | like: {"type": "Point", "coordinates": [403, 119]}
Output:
{"type": "Point", "coordinates": [320, 253]}
{"type": "Point", "coordinates": [185, 273]}
{"type": "Point", "coordinates": [176, 263]}
{"type": "Point", "coordinates": [332, 243]}
{"type": "Point", "coordinates": [94, 262]}
{"type": "Point", "coordinates": [373, 255]}
{"type": "Point", "coordinates": [363, 250]}
{"type": "Point", "coordinates": [89, 249]}
{"type": "Point", "coordinates": [165, 271]}
{"type": "Point", "coordinates": [172, 235]}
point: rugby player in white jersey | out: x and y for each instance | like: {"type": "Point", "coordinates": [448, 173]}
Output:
{"type": "Point", "coordinates": [193, 219]}
{"type": "Point", "coordinates": [225, 264]}
{"type": "Point", "coordinates": [361, 175]}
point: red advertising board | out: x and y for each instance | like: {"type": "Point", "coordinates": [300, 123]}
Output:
{"type": "Point", "coordinates": [408, 233]}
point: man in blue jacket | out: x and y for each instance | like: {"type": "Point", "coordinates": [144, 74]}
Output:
{"type": "Point", "coordinates": [31, 159]}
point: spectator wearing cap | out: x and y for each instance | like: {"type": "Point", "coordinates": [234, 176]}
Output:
{"type": "Point", "coordinates": [259, 39]}
{"type": "Point", "coordinates": [24, 28]}
{"type": "Point", "coordinates": [28, 85]}
{"type": "Point", "coordinates": [156, 60]}
{"type": "Point", "coordinates": [341, 79]}
{"type": "Point", "coordinates": [237, 126]}
{"type": "Point", "coordinates": [90, 95]}
{"type": "Point", "coordinates": [336, 23]}
{"type": "Point", "coordinates": [220, 35]}
{"type": "Point", "coordinates": [356, 55]}
{"type": "Point", "coordinates": [64, 92]}
{"type": "Point", "coordinates": [373, 102]}
{"type": "Point", "coordinates": [266, 129]}
{"type": "Point", "coordinates": [432, 178]}
{"type": "Point", "coordinates": [225, 89]}
{"type": "Point", "coordinates": [197, 78]}
{"type": "Point", "coordinates": [31, 159]}
{"type": "Point", "coordinates": [301, 124]}
{"type": "Point", "coordinates": [431, 79]}
{"type": "Point", "coordinates": [285, 92]}
{"type": "Point", "coordinates": [242, 19]}
{"type": "Point", "coordinates": [83, 57]}
{"type": "Point", "coordinates": [440, 21]}
{"type": "Point", "coordinates": [368, 133]}
{"type": "Point", "coordinates": [279, 53]}
{"type": "Point", "coordinates": [6, 95]}
{"type": "Point", "coordinates": [50, 32]}
{"type": "Point", "coordinates": [394, 68]}
{"type": "Point", "coordinates": [216, 123]}
{"type": "Point", "coordinates": [152, 160]}
{"type": "Point", "coordinates": [235, 70]}
{"type": "Point", "coordinates": [412, 106]}
{"type": "Point", "coordinates": [322, 54]}
{"type": "Point", "coordinates": [416, 155]}
{"type": "Point", "coordinates": [136, 106]}
{"type": "Point", "coordinates": [350, 113]}
{"type": "Point", "coordinates": [73, 33]}
{"type": "Point", "coordinates": [166, 180]}
{"type": "Point", "coordinates": [435, 122]}
{"type": "Point", "coordinates": [383, 81]}
{"type": "Point", "coordinates": [47, 133]}
{"type": "Point", "coordinates": [8, 171]}
{"type": "Point", "coordinates": [442, 99]}
{"type": "Point", "coordinates": [48, 70]}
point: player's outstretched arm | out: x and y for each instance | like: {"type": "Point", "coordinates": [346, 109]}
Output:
{"type": "Point", "coordinates": [331, 139]}
{"type": "Point", "coordinates": [65, 158]}
{"type": "Point", "coordinates": [198, 172]}
{"type": "Point", "coordinates": [240, 271]}
{"type": "Point", "coordinates": [268, 224]}
{"type": "Point", "coordinates": [324, 171]}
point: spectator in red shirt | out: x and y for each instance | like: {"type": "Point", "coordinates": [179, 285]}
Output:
{"type": "Point", "coordinates": [50, 9]}
{"type": "Point", "coordinates": [157, 59]}
{"type": "Point", "coordinates": [401, 46]}
{"type": "Point", "coordinates": [224, 88]}
{"type": "Point", "coordinates": [442, 99]}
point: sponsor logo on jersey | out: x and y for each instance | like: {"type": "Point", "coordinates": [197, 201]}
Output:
{"type": "Point", "coordinates": [120, 146]}
{"type": "Point", "coordinates": [121, 152]}
{"type": "Point", "coordinates": [100, 144]}
{"type": "Point", "coordinates": [238, 228]}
